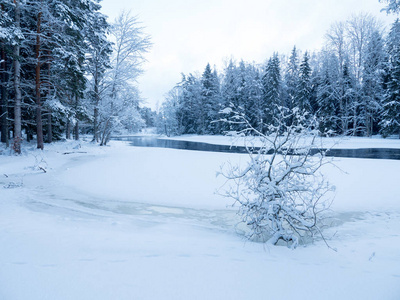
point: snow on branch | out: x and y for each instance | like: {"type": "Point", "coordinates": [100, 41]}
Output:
{"type": "Point", "coordinates": [281, 192]}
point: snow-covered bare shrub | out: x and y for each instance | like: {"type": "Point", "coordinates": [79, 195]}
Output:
{"type": "Point", "coordinates": [281, 192]}
{"type": "Point", "coordinates": [13, 185]}
{"type": "Point", "coordinates": [40, 164]}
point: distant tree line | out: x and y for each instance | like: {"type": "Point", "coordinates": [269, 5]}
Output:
{"type": "Point", "coordinates": [65, 70]}
{"type": "Point", "coordinates": [352, 85]}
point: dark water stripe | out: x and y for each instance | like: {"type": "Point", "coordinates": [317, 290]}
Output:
{"type": "Point", "coordinates": [139, 141]}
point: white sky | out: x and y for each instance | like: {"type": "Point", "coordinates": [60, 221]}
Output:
{"type": "Point", "coordinates": [188, 34]}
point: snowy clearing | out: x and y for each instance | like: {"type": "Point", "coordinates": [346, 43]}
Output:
{"type": "Point", "coordinates": [122, 222]}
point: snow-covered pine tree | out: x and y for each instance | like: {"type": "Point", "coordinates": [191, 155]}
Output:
{"type": "Point", "coordinates": [65, 67]}
{"type": "Point", "coordinates": [3, 94]}
{"type": "Point", "coordinates": [211, 100]}
{"type": "Point", "coordinates": [390, 123]}
{"type": "Point", "coordinates": [253, 94]}
{"type": "Point", "coordinates": [372, 85]}
{"type": "Point", "coordinates": [8, 37]}
{"type": "Point", "coordinates": [303, 89]}
{"type": "Point", "coordinates": [314, 81]}
{"type": "Point", "coordinates": [393, 6]}
{"type": "Point", "coordinates": [272, 85]}
{"type": "Point", "coordinates": [231, 86]}
{"type": "Point", "coordinates": [191, 113]}
{"type": "Point", "coordinates": [291, 80]}
{"type": "Point", "coordinates": [347, 95]}
{"type": "Point", "coordinates": [328, 93]}
{"type": "Point", "coordinates": [99, 50]}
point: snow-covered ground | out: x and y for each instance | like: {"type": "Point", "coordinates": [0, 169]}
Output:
{"type": "Point", "coordinates": [121, 222]}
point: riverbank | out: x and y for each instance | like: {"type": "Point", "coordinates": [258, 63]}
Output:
{"type": "Point", "coordinates": [78, 221]}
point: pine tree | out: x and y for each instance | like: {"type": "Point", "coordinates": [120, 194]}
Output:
{"type": "Point", "coordinates": [230, 88]}
{"type": "Point", "coordinates": [393, 6]}
{"type": "Point", "coordinates": [211, 100]}
{"type": "Point", "coordinates": [292, 80]}
{"type": "Point", "coordinates": [347, 96]}
{"type": "Point", "coordinates": [390, 123]}
{"type": "Point", "coordinates": [272, 85]}
{"type": "Point", "coordinates": [190, 112]}
{"type": "Point", "coordinates": [8, 36]}
{"type": "Point", "coordinates": [328, 93]}
{"type": "Point", "coordinates": [304, 85]}
{"type": "Point", "coordinates": [372, 85]}
{"type": "Point", "coordinates": [231, 85]}
{"type": "Point", "coordinates": [99, 50]}
{"type": "Point", "coordinates": [253, 93]}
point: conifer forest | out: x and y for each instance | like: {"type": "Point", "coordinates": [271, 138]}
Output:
{"type": "Point", "coordinates": [65, 71]}
{"type": "Point", "coordinates": [351, 86]}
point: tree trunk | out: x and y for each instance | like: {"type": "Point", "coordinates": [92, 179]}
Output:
{"type": "Point", "coordinates": [49, 128]}
{"type": "Point", "coordinates": [354, 119]}
{"type": "Point", "coordinates": [76, 128]}
{"type": "Point", "coordinates": [39, 121]}
{"type": "Point", "coordinates": [68, 132]}
{"type": "Point", "coordinates": [29, 134]}
{"type": "Point", "coordinates": [104, 133]}
{"type": "Point", "coordinates": [4, 98]}
{"type": "Point", "coordinates": [17, 85]}
{"type": "Point", "coordinates": [96, 108]}
{"type": "Point", "coordinates": [96, 124]}
{"type": "Point", "coordinates": [49, 125]}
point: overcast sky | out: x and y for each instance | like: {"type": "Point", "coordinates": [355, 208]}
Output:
{"type": "Point", "coordinates": [188, 34]}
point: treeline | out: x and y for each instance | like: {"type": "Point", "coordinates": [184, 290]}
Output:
{"type": "Point", "coordinates": [65, 70]}
{"type": "Point", "coordinates": [352, 86]}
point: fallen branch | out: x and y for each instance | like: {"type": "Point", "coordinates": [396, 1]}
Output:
{"type": "Point", "coordinates": [65, 153]}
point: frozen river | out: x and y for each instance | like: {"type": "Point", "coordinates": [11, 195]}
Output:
{"type": "Point", "coordinates": [149, 141]}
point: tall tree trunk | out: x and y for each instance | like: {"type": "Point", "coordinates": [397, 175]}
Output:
{"type": "Point", "coordinates": [68, 130]}
{"type": "Point", "coordinates": [355, 117]}
{"type": "Point", "coordinates": [49, 125]}
{"type": "Point", "coordinates": [76, 127]}
{"type": "Point", "coordinates": [49, 128]}
{"type": "Point", "coordinates": [4, 98]}
{"type": "Point", "coordinates": [17, 84]}
{"type": "Point", "coordinates": [29, 134]}
{"type": "Point", "coordinates": [39, 121]}
{"type": "Point", "coordinates": [96, 124]}
{"type": "Point", "coordinates": [96, 107]}
{"type": "Point", "coordinates": [76, 130]}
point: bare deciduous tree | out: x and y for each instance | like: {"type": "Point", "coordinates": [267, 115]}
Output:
{"type": "Point", "coordinates": [130, 44]}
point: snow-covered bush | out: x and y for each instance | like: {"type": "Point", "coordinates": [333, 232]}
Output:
{"type": "Point", "coordinates": [280, 193]}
